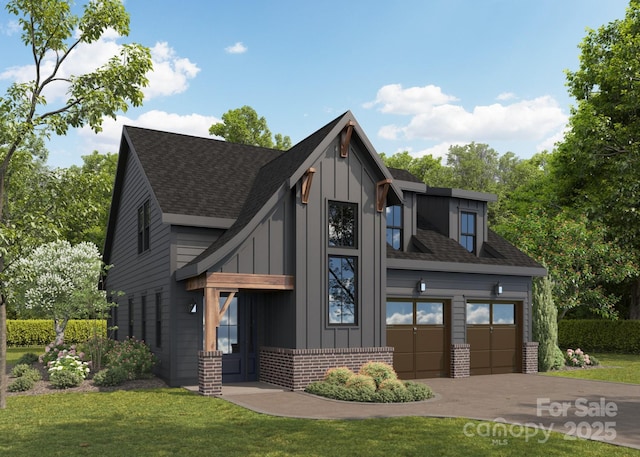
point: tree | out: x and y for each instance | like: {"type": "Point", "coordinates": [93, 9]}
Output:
{"type": "Point", "coordinates": [243, 126]}
{"type": "Point", "coordinates": [474, 167]}
{"type": "Point", "coordinates": [545, 325]}
{"type": "Point", "coordinates": [598, 163]}
{"type": "Point", "coordinates": [428, 168]}
{"type": "Point", "coordinates": [59, 281]}
{"type": "Point", "coordinates": [49, 28]}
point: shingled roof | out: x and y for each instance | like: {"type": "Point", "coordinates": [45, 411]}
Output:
{"type": "Point", "coordinates": [198, 176]}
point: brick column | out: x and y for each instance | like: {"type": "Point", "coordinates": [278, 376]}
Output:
{"type": "Point", "coordinates": [460, 360]}
{"type": "Point", "coordinates": [210, 373]}
{"type": "Point", "coordinates": [530, 357]}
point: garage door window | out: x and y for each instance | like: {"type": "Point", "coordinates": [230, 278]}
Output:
{"type": "Point", "coordinates": [490, 313]}
{"type": "Point", "coordinates": [412, 313]}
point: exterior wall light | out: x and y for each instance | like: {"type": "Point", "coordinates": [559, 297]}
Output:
{"type": "Point", "coordinates": [192, 307]}
{"type": "Point", "coordinates": [422, 286]}
{"type": "Point", "coordinates": [498, 288]}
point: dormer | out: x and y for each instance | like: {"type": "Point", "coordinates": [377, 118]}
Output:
{"type": "Point", "coordinates": [460, 215]}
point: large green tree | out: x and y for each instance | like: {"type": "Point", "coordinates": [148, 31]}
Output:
{"type": "Point", "coordinates": [50, 28]}
{"type": "Point", "coordinates": [244, 126]}
{"type": "Point", "coordinates": [598, 163]}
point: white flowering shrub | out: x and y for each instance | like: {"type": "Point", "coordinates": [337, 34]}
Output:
{"type": "Point", "coordinates": [59, 281]}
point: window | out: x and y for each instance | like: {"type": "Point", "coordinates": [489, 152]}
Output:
{"type": "Point", "coordinates": [158, 320]}
{"type": "Point", "coordinates": [342, 290]}
{"type": "Point", "coordinates": [143, 311]}
{"type": "Point", "coordinates": [468, 231]}
{"type": "Point", "coordinates": [394, 226]}
{"type": "Point", "coordinates": [113, 330]}
{"type": "Point", "coordinates": [130, 318]}
{"type": "Point", "coordinates": [415, 313]}
{"type": "Point", "coordinates": [491, 313]}
{"type": "Point", "coordinates": [342, 225]}
{"type": "Point", "coordinates": [228, 329]}
{"type": "Point", "coordinates": [143, 227]}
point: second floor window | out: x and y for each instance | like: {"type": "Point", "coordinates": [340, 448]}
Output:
{"type": "Point", "coordinates": [143, 227]}
{"type": "Point", "coordinates": [468, 231]}
{"type": "Point", "coordinates": [342, 225]}
{"type": "Point", "coordinates": [394, 226]}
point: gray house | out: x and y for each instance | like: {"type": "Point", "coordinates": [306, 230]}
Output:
{"type": "Point", "coordinates": [241, 263]}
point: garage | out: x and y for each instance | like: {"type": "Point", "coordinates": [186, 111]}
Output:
{"type": "Point", "coordinates": [492, 334]}
{"type": "Point", "coordinates": [418, 331]}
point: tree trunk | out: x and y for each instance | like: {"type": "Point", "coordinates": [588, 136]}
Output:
{"type": "Point", "coordinates": [634, 307]}
{"type": "Point", "coordinates": [3, 353]}
{"type": "Point", "coordinates": [60, 325]}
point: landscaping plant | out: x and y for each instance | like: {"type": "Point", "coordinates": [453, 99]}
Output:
{"type": "Point", "coordinates": [579, 358]}
{"type": "Point", "coordinates": [133, 356]}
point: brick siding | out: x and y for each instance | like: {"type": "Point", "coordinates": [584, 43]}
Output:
{"type": "Point", "coordinates": [294, 369]}
{"type": "Point", "coordinates": [460, 360]}
{"type": "Point", "coordinates": [530, 357]}
{"type": "Point", "coordinates": [210, 373]}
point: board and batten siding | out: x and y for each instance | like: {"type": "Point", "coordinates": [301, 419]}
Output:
{"type": "Point", "coordinates": [135, 274]}
{"type": "Point", "coordinates": [352, 179]}
{"type": "Point", "coordinates": [459, 288]}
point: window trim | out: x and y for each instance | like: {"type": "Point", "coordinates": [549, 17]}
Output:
{"type": "Point", "coordinates": [356, 225]}
{"type": "Point", "coordinates": [130, 318]}
{"type": "Point", "coordinates": [144, 224]}
{"type": "Point", "coordinates": [158, 319]}
{"type": "Point", "coordinates": [143, 318]}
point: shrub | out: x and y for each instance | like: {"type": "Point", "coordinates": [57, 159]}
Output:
{"type": "Point", "coordinates": [23, 370]}
{"type": "Point", "coordinates": [21, 384]}
{"type": "Point", "coordinates": [133, 356]}
{"type": "Point", "coordinates": [599, 335]}
{"type": "Point", "coordinates": [579, 358]}
{"type": "Point", "coordinates": [63, 379]}
{"type": "Point", "coordinates": [418, 391]}
{"type": "Point", "coordinates": [71, 363]}
{"type": "Point", "coordinates": [393, 385]}
{"type": "Point", "coordinates": [96, 349]}
{"type": "Point", "coordinates": [339, 375]}
{"type": "Point", "coordinates": [29, 359]}
{"type": "Point", "coordinates": [110, 377]}
{"type": "Point", "coordinates": [53, 352]}
{"type": "Point", "coordinates": [545, 325]}
{"type": "Point", "coordinates": [38, 332]}
{"type": "Point", "coordinates": [361, 382]}
{"type": "Point", "coordinates": [378, 371]}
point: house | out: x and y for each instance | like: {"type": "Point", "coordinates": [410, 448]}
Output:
{"type": "Point", "coordinates": [241, 263]}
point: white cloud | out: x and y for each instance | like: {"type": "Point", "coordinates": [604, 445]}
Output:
{"type": "Point", "coordinates": [237, 48]}
{"type": "Point", "coordinates": [169, 76]}
{"type": "Point", "coordinates": [10, 28]}
{"type": "Point", "coordinates": [549, 144]}
{"type": "Point", "coordinates": [504, 96]}
{"type": "Point", "coordinates": [435, 118]}
{"type": "Point", "coordinates": [109, 139]}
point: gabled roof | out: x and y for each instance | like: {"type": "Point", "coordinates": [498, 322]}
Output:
{"type": "Point", "coordinates": [273, 179]}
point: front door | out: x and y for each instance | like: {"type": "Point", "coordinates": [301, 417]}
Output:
{"type": "Point", "coordinates": [236, 339]}
{"type": "Point", "coordinates": [417, 331]}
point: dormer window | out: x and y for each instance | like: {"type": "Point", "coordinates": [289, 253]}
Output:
{"type": "Point", "coordinates": [394, 226]}
{"type": "Point", "coordinates": [468, 231]}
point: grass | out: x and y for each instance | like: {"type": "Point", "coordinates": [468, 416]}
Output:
{"type": "Point", "coordinates": [13, 354]}
{"type": "Point", "coordinates": [615, 368]}
{"type": "Point", "coordinates": [167, 422]}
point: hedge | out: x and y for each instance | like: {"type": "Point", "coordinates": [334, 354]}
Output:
{"type": "Point", "coordinates": [40, 332]}
{"type": "Point", "coordinates": [600, 335]}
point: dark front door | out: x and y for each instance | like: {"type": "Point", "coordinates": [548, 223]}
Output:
{"type": "Point", "coordinates": [417, 331]}
{"type": "Point", "coordinates": [236, 339]}
{"type": "Point", "coordinates": [492, 334]}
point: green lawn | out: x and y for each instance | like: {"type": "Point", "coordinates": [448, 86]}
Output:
{"type": "Point", "coordinates": [615, 368]}
{"type": "Point", "coordinates": [174, 422]}
{"type": "Point", "coordinates": [13, 354]}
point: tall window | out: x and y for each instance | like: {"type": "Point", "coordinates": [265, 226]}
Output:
{"type": "Point", "coordinates": [143, 227]}
{"type": "Point", "coordinates": [113, 330]}
{"type": "Point", "coordinates": [343, 225]}
{"type": "Point", "coordinates": [143, 310]}
{"type": "Point", "coordinates": [468, 231]}
{"type": "Point", "coordinates": [342, 290]}
{"type": "Point", "coordinates": [130, 318]}
{"type": "Point", "coordinates": [394, 226]}
{"type": "Point", "coordinates": [158, 320]}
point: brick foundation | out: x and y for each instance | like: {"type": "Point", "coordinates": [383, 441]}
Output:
{"type": "Point", "coordinates": [210, 373]}
{"type": "Point", "coordinates": [460, 360]}
{"type": "Point", "coordinates": [296, 368]}
{"type": "Point", "coordinates": [530, 357]}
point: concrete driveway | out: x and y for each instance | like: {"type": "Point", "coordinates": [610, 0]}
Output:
{"type": "Point", "coordinates": [602, 411]}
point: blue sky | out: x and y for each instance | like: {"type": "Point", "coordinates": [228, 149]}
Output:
{"type": "Point", "coordinates": [418, 75]}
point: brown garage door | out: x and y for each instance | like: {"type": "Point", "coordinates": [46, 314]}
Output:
{"type": "Point", "coordinates": [417, 330]}
{"type": "Point", "coordinates": [492, 333]}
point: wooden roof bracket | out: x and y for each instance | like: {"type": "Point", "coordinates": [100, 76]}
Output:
{"type": "Point", "coordinates": [307, 178]}
{"type": "Point", "coordinates": [345, 139]}
{"type": "Point", "coordinates": [382, 188]}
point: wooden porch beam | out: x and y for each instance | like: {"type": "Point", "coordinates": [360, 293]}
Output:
{"type": "Point", "coordinates": [199, 282]}
{"type": "Point", "coordinates": [307, 178]}
{"type": "Point", "coordinates": [382, 188]}
{"type": "Point", "coordinates": [345, 139]}
{"type": "Point", "coordinates": [250, 281]}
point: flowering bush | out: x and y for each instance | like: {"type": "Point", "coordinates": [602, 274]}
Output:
{"type": "Point", "coordinates": [54, 351]}
{"type": "Point", "coordinates": [133, 356]}
{"type": "Point", "coordinates": [578, 358]}
{"type": "Point", "coordinates": [69, 362]}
